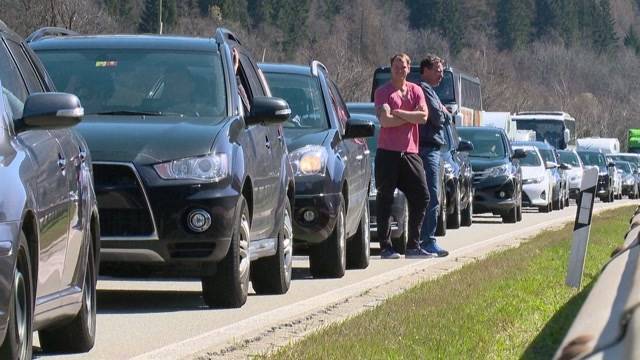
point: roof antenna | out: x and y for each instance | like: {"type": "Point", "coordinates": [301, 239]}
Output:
{"type": "Point", "coordinates": [264, 52]}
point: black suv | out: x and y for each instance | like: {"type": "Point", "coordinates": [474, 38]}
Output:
{"type": "Point", "coordinates": [497, 176]}
{"type": "Point", "coordinates": [606, 172]}
{"type": "Point", "coordinates": [191, 167]}
{"type": "Point", "coordinates": [49, 227]}
{"type": "Point", "coordinates": [332, 168]}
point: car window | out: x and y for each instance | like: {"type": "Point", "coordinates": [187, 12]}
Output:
{"type": "Point", "coordinates": [13, 88]}
{"type": "Point", "coordinates": [26, 67]}
{"type": "Point", "coordinates": [486, 144]}
{"type": "Point", "coordinates": [338, 104]}
{"type": "Point", "coordinates": [569, 157]}
{"type": "Point", "coordinates": [251, 76]}
{"type": "Point", "coordinates": [304, 96]}
{"type": "Point", "coordinates": [147, 81]}
{"type": "Point", "coordinates": [532, 159]}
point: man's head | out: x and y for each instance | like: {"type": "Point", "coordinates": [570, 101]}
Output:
{"type": "Point", "coordinates": [432, 70]}
{"type": "Point", "coordinates": [400, 66]}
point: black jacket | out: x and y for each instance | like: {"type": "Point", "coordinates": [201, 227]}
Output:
{"type": "Point", "coordinates": [431, 133]}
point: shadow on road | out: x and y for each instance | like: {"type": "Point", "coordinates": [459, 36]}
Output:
{"type": "Point", "coordinates": [148, 301]}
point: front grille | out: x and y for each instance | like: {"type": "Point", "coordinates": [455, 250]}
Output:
{"type": "Point", "coordinates": [478, 176]}
{"type": "Point", "coordinates": [123, 207]}
{"type": "Point", "coordinates": [191, 250]}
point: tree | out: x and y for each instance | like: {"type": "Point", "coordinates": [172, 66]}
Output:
{"type": "Point", "coordinates": [513, 23]}
{"type": "Point", "coordinates": [453, 27]}
{"type": "Point", "coordinates": [119, 8]}
{"type": "Point", "coordinates": [604, 35]}
{"type": "Point", "coordinates": [632, 41]}
{"type": "Point", "coordinates": [149, 18]}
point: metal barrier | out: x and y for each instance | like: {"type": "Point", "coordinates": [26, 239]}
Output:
{"type": "Point", "coordinates": [608, 325]}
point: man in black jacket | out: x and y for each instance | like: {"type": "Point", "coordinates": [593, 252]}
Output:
{"type": "Point", "coordinates": [431, 139]}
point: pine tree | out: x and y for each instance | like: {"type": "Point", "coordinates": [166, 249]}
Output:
{"type": "Point", "coordinates": [426, 14]}
{"type": "Point", "coordinates": [149, 18]}
{"type": "Point", "coordinates": [453, 28]}
{"type": "Point", "coordinates": [118, 8]}
{"type": "Point", "coordinates": [632, 41]}
{"type": "Point", "coordinates": [513, 23]}
{"type": "Point", "coordinates": [605, 38]}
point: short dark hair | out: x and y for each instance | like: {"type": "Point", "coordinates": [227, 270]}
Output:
{"type": "Point", "coordinates": [429, 61]}
{"type": "Point", "coordinates": [402, 56]}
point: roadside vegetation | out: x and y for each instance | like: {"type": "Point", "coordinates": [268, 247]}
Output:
{"type": "Point", "coordinates": [513, 304]}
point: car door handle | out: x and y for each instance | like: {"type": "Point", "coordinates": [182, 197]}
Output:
{"type": "Point", "coordinates": [62, 162]}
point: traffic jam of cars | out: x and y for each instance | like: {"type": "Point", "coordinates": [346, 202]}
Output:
{"type": "Point", "coordinates": [183, 157]}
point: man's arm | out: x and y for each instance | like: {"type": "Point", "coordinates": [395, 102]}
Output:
{"type": "Point", "coordinates": [418, 116]}
{"type": "Point", "coordinates": [438, 116]}
{"type": "Point", "coordinates": [386, 119]}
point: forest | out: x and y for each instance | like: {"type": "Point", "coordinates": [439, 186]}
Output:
{"type": "Point", "coordinates": [578, 56]}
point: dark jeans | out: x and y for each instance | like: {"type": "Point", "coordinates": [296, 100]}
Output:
{"type": "Point", "coordinates": [431, 159]}
{"type": "Point", "coordinates": [396, 170]}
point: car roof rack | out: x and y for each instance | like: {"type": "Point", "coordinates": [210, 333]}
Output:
{"type": "Point", "coordinates": [315, 65]}
{"type": "Point", "coordinates": [541, 113]}
{"type": "Point", "coordinates": [49, 31]}
{"type": "Point", "coordinates": [224, 35]}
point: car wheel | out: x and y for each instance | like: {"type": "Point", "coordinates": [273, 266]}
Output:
{"type": "Point", "coordinates": [519, 210]}
{"type": "Point", "coordinates": [272, 275]}
{"type": "Point", "coordinates": [358, 247]}
{"type": "Point", "coordinates": [230, 285]}
{"type": "Point", "coordinates": [79, 335]}
{"type": "Point", "coordinates": [400, 242]}
{"type": "Point", "coordinates": [328, 259]}
{"type": "Point", "coordinates": [441, 227]}
{"type": "Point", "coordinates": [454, 220]}
{"type": "Point", "coordinates": [467, 213]}
{"type": "Point", "coordinates": [17, 343]}
{"type": "Point", "coordinates": [556, 203]}
{"type": "Point", "coordinates": [511, 216]}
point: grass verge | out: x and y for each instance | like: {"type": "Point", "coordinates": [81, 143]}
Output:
{"type": "Point", "coordinates": [513, 304]}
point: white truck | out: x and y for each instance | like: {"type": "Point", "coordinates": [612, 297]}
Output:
{"type": "Point", "coordinates": [499, 119]}
{"type": "Point", "coordinates": [604, 145]}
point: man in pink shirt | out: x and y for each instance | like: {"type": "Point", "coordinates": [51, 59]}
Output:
{"type": "Point", "coordinates": [400, 107]}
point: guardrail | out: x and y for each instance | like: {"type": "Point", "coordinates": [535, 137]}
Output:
{"type": "Point", "coordinates": [608, 323]}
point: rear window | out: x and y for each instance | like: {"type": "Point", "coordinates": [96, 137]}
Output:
{"type": "Point", "coordinates": [156, 82]}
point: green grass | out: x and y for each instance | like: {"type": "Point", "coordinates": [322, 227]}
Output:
{"type": "Point", "coordinates": [514, 304]}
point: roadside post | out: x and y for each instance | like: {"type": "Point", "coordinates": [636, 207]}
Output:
{"type": "Point", "coordinates": [582, 227]}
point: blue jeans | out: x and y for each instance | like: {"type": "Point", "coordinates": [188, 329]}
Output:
{"type": "Point", "coordinates": [431, 160]}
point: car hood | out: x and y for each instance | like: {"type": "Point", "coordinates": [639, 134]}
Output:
{"type": "Point", "coordinates": [532, 172]}
{"type": "Point", "coordinates": [299, 138]}
{"type": "Point", "coordinates": [149, 140]}
{"type": "Point", "coordinates": [480, 164]}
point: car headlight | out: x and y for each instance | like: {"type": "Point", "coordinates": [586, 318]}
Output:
{"type": "Point", "coordinates": [448, 169]}
{"type": "Point", "coordinates": [536, 180]}
{"type": "Point", "coordinates": [213, 167]}
{"type": "Point", "coordinates": [498, 170]}
{"type": "Point", "coordinates": [309, 160]}
{"type": "Point", "coordinates": [629, 180]}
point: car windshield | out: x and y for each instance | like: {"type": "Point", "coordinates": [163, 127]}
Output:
{"type": "Point", "coordinates": [570, 158]}
{"type": "Point", "coordinates": [592, 159]}
{"type": "Point", "coordinates": [547, 155]}
{"type": "Point", "coordinates": [304, 96]}
{"type": "Point", "coordinates": [532, 159]}
{"type": "Point", "coordinates": [141, 81]}
{"type": "Point", "coordinates": [630, 158]}
{"type": "Point", "coordinates": [624, 166]}
{"type": "Point", "coordinates": [486, 144]}
{"type": "Point", "coordinates": [551, 131]}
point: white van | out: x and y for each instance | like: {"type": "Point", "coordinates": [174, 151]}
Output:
{"type": "Point", "coordinates": [604, 145]}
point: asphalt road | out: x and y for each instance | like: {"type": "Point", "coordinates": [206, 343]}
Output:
{"type": "Point", "coordinates": [166, 318]}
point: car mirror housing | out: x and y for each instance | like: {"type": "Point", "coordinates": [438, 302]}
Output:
{"type": "Point", "coordinates": [48, 111]}
{"type": "Point", "coordinates": [465, 145]}
{"type": "Point", "coordinates": [359, 128]}
{"type": "Point", "coordinates": [611, 164]}
{"type": "Point", "coordinates": [268, 110]}
{"type": "Point", "coordinates": [519, 154]}
{"type": "Point", "coordinates": [550, 165]}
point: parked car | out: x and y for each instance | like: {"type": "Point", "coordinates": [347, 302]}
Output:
{"type": "Point", "coordinates": [617, 179]}
{"type": "Point", "coordinates": [537, 180]}
{"type": "Point", "coordinates": [49, 224]}
{"type": "Point", "coordinates": [560, 196]}
{"type": "Point", "coordinates": [570, 157]}
{"type": "Point", "coordinates": [630, 157]}
{"type": "Point", "coordinates": [629, 179]}
{"type": "Point", "coordinates": [331, 165]}
{"type": "Point", "coordinates": [497, 176]}
{"type": "Point", "coordinates": [606, 170]}
{"type": "Point", "coordinates": [191, 168]}
{"type": "Point", "coordinates": [457, 178]}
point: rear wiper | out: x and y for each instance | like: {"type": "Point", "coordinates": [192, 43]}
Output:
{"type": "Point", "coordinates": [128, 112]}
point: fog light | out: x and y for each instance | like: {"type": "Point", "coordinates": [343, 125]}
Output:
{"type": "Point", "coordinates": [309, 215]}
{"type": "Point", "coordinates": [198, 220]}
{"type": "Point", "coordinates": [502, 194]}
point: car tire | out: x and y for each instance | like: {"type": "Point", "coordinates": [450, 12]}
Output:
{"type": "Point", "coordinates": [441, 227]}
{"type": "Point", "coordinates": [511, 216]}
{"type": "Point", "coordinates": [359, 245]}
{"type": "Point", "coordinates": [229, 286]}
{"type": "Point", "coordinates": [454, 220]}
{"type": "Point", "coordinates": [400, 242]}
{"type": "Point", "coordinates": [555, 203]}
{"type": "Point", "coordinates": [328, 259]}
{"type": "Point", "coordinates": [18, 340]}
{"type": "Point", "coordinates": [272, 275]}
{"type": "Point", "coordinates": [467, 213]}
{"type": "Point", "coordinates": [79, 335]}
{"type": "Point", "coordinates": [519, 210]}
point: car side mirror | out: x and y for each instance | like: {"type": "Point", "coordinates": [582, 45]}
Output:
{"type": "Point", "coordinates": [564, 166]}
{"type": "Point", "coordinates": [611, 164]}
{"type": "Point", "coordinates": [49, 111]}
{"type": "Point", "coordinates": [550, 165]}
{"type": "Point", "coordinates": [358, 128]}
{"type": "Point", "coordinates": [519, 154]}
{"type": "Point", "coordinates": [465, 145]}
{"type": "Point", "coordinates": [268, 110]}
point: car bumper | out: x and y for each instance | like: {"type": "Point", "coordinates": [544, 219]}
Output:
{"type": "Point", "coordinates": [324, 208]}
{"type": "Point", "coordinates": [9, 232]}
{"type": "Point", "coordinates": [535, 195]}
{"type": "Point", "coordinates": [397, 216]}
{"type": "Point", "coordinates": [628, 189]}
{"type": "Point", "coordinates": [496, 196]}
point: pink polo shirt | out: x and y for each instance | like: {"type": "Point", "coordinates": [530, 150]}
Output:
{"type": "Point", "coordinates": [403, 138]}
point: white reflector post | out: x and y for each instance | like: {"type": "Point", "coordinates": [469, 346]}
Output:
{"type": "Point", "coordinates": [582, 227]}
